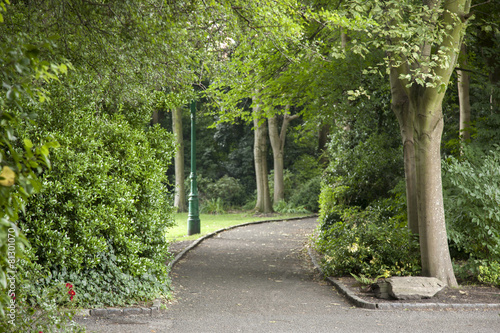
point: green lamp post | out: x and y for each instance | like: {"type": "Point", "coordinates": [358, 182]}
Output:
{"type": "Point", "coordinates": [193, 214]}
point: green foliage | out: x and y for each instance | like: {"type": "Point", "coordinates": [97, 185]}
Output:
{"type": "Point", "coordinates": [307, 195]}
{"type": "Point", "coordinates": [488, 272]}
{"type": "Point", "coordinates": [302, 185]}
{"type": "Point", "coordinates": [288, 208]}
{"type": "Point", "coordinates": [227, 190]}
{"type": "Point", "coordinates": [22, 70]}
{"type": "Point", "coordinates": [482, 271]}
{"type": "Point", "coordinates": [472, 201]}
{"type": "Point", "coordinates": [100, 220]}
{"type": "Point", "coordinates": [366, 242]}
{"type": "Point", "coordinates": [366, 281]}
{"type": "Point", "coordinates": [471, 193]}
{"type": "Point", "coordinates": [362, 169]}
{"type": "Point", "coordinates": [213, 206]}
{"type": "Point", "coordinates": [39, 310]}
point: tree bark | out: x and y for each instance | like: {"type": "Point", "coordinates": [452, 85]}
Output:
{"type": "Point", "coordinates": [263, 204]}
{"type": "Point", "coordinates": [180, 192]}
{"type": "Point", "coordinates": [463, 96]}
{"type": "Point", "coordinates": [277, 139]}
{"type": "Point", "coordinates": [400, 107]}
{"type": "Point", "coordinates": [435, 255]}
{"type": "Point", "coordinates": [155, 119]}
{"type": "Point", "coordinates": [324, 131]}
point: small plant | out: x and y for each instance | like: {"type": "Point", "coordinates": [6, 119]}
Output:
{"type": "Point", "coordinates": [40, 310]}
{"type": "Point", "coordinates": [213, 206]}
{"type": "Point", "coordinates": [288, 208]}
{"type": "Point", "coordinates": [365, 281]}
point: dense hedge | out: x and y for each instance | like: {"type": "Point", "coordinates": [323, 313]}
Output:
{"type": "Point", "coordinates": [101, 218]}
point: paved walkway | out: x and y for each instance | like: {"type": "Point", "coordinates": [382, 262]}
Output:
{"type": "Point", "coordinates": [258, 278]}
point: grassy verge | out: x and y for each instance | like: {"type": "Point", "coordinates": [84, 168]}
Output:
{"type": "Point", "coordinates": [210, 223]}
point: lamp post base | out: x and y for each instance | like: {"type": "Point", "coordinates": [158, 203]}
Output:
{"type": "Point", "coordinates": [193, 226]}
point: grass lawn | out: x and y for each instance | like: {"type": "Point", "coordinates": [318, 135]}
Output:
{"type": "Point", "coordinates": [210, 223]}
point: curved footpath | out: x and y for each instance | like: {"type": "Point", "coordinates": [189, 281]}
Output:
{"type": "Point", "coordinates": [259, 278]}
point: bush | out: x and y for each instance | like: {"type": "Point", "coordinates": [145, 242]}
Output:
{"type": "Point", "coordinates": [482, 271]}
{"type": "Point", "coordinates": [363, 171]}
{"type": "Point", "coordinates": [288, 208]}
{"type": "Point", "coordinates": [472, 207]}
{"type": "Point", "coordinates": [39, 309]}
{"type": "Point", "coordinates": [472, 201]}
{"type": "Point", "coordinates": [226, 190]}
{"type": "Point", "coordinates": [307, 195]}
{"type": "Point", "coordinates": [213, 206]}
{"type": "Point", "coordinates": [101, 218]}
{"type": "Point", "coordinates": [365, 242]}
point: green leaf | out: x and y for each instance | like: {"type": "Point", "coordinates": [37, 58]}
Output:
{"type": "Point", "coordinates": [3, 279]}
{"type": "Point", "coordinates": [27, 144]}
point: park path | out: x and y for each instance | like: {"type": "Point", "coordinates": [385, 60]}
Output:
{"type": "Point", "coordinates": [258, 278]}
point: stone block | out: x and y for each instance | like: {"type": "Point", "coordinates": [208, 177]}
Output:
{"type": "Point", "coordinates": [132, 311]}
{"type": "Point", "coordinates": [115, 312]}
{"type": "Point", "coordinates": [381, 290]}
{"type": "Point", "coordinates": [99, 312]}
{"type": "Point", "coordinates": [414, 287]}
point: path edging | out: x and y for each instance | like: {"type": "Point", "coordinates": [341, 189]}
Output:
{"type": "Point", "coordinates": [361, 303]}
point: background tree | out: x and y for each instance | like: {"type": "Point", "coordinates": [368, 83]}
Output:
{"type": "Point", "coordinates": [180, 193]}
{"type": "Point", "coordinates": [263, 204]}
{"type": "Point", "coordinates": [277, 138]}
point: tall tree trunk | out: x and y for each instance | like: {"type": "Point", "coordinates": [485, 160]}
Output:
{"type": "Point", "coordinates": [428, 125]}
{"type": "Point", "coordinates": [420, 117]}
{"type": "Point", "coordinates": [263, 204]}
{"type": "Point", "coordinates": [180, 192]}
{"type": "Point", "coordinates": [277, 139]}
{"type": "Point", "coordinates": [400, 106]}
{"type": "Point", "coordinates": [324, 131]}
{"type": "Point", "coordinates": [463, 96]}
{"type": "Point", "coordinates": [155, 119]}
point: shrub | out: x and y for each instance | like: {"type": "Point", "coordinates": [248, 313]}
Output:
{"type": "Point", "coordinates": [364, 170]}
{"type": "Point", "coordinates": [226, 190]}
{"type": "Point", "coordinates": [307, 195]}
{"type": "Point", "coordinates": [483, 271]}
{"type": "Point", "coordinates": [364, 242]}
{"type": "Point", "coordinates": [100, 220]}
{"type": "Point", "coordinates": [39, 309]}
{"type": "Point", "coordinates": [288, 208]}
{"type": "Point", "coordinates": [472, 202]}
{"type": "Point", "coordinates": [472, 207]}
{"type": "Point", "coordinates": [213, 206]}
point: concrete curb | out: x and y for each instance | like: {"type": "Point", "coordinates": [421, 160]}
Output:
{"type": "Point", "coordinates": [155, 309]}
{"type": "Point", "coordinates": [361, 303]}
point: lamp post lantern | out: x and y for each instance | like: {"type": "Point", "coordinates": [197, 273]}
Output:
{"type": "Point", "coordinates": [193, 214]}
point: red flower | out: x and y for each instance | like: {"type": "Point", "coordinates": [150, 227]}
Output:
{"type": "Point", "coordinates": [69, 285]}
{"type": "Point", "coordinates": [71, 293]}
